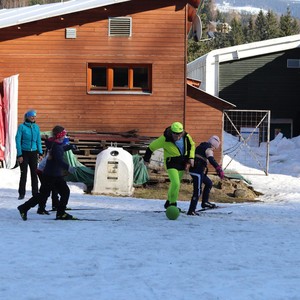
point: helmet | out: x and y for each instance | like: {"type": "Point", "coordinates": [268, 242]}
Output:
{"type": "Point", "coordinates": [177, 127]}
{"type": "Point", "coordinates": [214, 141]}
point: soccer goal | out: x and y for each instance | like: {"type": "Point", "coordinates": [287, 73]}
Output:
{"type": "Point", "coordinates": [246, 140]}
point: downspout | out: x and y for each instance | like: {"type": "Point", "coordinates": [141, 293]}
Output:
{"type": "Point", "coordinates": [185, 66]}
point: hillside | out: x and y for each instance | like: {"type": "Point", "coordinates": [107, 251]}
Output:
{"type": "Point", "coordinates": [277, 6]}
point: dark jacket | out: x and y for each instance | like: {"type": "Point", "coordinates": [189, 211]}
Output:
{"type": "Point", "coordinates": [55, 166]}
{"type": "Point", "coordinates": [203, 154]}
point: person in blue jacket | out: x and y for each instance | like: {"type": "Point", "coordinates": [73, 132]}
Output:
{"type": "Point", "coordinates": [29, 149]}
{"type": "Point", "coordinates": [53, 177]}
{"type": "Point", "coordinates": [204, 154]}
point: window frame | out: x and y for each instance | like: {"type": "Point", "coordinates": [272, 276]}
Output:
{"type": "Point", "coordinates": [110, 88]}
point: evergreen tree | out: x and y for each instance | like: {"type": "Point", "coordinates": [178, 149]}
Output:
{"type": "Point", "coordinates": [260, 27]}
{"type": "Point", "coordinates": [236, 36]}
{"type": "Point", "coordinates": [249, 31]}
{"type": "Point", "coordinates": [221, 40]}
{"type": "Point", "coordinates": [271, 26]}
{"type": "Point", "coordinates": [288, 25]}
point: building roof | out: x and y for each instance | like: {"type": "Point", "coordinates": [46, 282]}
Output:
{"type": "Point", "coordinates": [21, 15]}
{"type": "Point", "coordinates": [206, 67]}
{"type": "Point", "coordinates": [204, 97]}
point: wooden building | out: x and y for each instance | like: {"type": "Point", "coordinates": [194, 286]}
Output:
{"type": "Point", "coordinates": [257, 76]}
{"type": "Point", "coordinates": [106, 66]}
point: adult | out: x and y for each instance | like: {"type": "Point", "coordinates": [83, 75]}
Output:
{"type": "Point", "coordinates": [179, 153]}
{"type": "Point", "coordinates": [29, 149]}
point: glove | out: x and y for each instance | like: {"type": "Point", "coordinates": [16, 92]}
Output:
{"type": "Point", "coordinates": [74, 147]}
{"type": "Point", "coordinates": [220, 172]}
{"type": "Point", "coordinates": [71, 170]}
{"type": "Point", "coordinates": [191, 162]}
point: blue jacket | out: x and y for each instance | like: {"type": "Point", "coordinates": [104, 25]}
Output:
{"type": "Point", "coordinates": [28, 138]}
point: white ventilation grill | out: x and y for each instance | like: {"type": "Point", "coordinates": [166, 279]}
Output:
{"type": "Point", "coordinates": [120, 26]}
{"type": "Point", "coordinates": [71, 33]}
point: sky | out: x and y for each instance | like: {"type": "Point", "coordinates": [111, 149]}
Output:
{"type": "Point", "coordinates": [241, 251]}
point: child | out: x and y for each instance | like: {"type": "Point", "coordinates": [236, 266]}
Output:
{"type": "Point", "coordinates": [53, 177]}
{"type": "Point", "coordinates": [41, 166]}
{"type": "Point", "coordinates": [204, 153]}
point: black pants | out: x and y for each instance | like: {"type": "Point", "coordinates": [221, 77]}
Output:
{"type": "Point", "coordinates": [198, 180]}
{"type": "Point", "coordinates": [47, 185]}
{"type": "Point", "coordinates": [54, 193]}
{"type": "Point", "coordinates": [30, 158]}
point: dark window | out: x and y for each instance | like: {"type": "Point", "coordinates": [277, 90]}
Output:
{"type": "Point", "coordinates": [99, 77]}
{"type": "Point", "coordinates": [114, 77]}
{"type": "Point", "coordinates": [120, 77]}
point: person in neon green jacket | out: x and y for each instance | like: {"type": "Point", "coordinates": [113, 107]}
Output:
{"type": "Point", "coordinates": [179, 153]}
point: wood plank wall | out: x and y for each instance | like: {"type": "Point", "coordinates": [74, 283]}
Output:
{"type": "Point", "coordinates": [204, 118]}
{"type": "Point", "coordinates": [52, 70]}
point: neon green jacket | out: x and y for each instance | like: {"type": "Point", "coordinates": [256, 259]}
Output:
{"type": "Point", "coordinates": [172, 156]}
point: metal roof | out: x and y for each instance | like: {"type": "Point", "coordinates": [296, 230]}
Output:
{"type": "Point", "coordinates": [206, 67]}
{"type": "Point", "coordinates": [21, 15]}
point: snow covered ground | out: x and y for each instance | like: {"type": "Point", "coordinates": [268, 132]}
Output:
{"type": "Point", "coordinates": [242, 251]}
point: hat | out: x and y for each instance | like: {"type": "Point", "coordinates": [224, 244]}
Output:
{"type": "Point", "coordinates": [177, 127]}
{"type": "Point", "coordinates": [214, 141]}
{"type": "Point", "coordinates": [58, 132]}
{"type": "Point", "coordinates": [30, 113]}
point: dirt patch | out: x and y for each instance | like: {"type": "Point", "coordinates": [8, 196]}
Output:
{"type": "Point", "coordinates": [223, 191]}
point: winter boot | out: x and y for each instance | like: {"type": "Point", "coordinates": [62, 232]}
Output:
{"type": "Point", "coordinates": [23, 213]}
{"type": "Point", "coordinates": [42, 211]}
{"type": "Point", "coordinates": [206, 204]}
{"type": "Point", "coordinates": [167, 204]}
{"type": "Point", "coordinates": [65, 216]}
{"type": "Point", "coordinates": [193, 213]}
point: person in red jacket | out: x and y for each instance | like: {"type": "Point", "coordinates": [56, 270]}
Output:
{"type": "Point", "coordinates": [204, 153]}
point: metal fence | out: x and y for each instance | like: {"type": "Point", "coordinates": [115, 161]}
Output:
{"type": "Point", "coordinates": [246, 138]}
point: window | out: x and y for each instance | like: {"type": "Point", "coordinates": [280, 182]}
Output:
{"type": "Point", "coordinates": [119, 78]}
{"type": "Point", "coordinates": [293, 63]}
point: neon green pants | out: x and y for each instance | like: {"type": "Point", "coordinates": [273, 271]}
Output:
{"type": "Point", "coordinates": [175, 177]}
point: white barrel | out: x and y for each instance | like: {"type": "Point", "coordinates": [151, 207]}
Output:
{"type": "Point", "coordinates": [114, 172]}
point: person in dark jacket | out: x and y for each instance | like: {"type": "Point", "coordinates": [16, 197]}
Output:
{"type": "Point", "coordinates": [40, 169]}
{"type": "Point", "coordinates": [53, 177]}
{"type": "Point", "coordinates": [179, 152]}
{"type": "Point", "coordinates": [29, 149]}
{"type": "Point", "coordinates": [204, 153]}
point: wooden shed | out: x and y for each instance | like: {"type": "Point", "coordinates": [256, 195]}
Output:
{"type": "Point", "coordinates": [106, 66]}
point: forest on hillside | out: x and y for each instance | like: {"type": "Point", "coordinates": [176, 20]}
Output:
{"type": "Point", "coordinates": [220, 30]}
{"type": "Point", "coordinates": [278, 6]}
